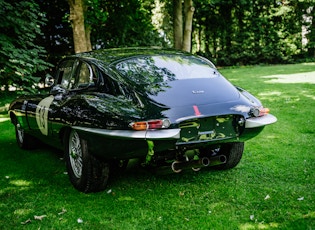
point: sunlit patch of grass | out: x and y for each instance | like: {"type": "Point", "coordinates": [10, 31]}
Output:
{"type": "Point", "coordinates": [310, 96]}
{"type": "Point", "coordinates": [270, 94]}
{"type": "Point", "coordinates": [20, 183]}
{"type": "Point", "coordinates": [261, 225]}
{"type": "Point", "coordinates": [3, 119]}
{"type": "Point", "coordinates": [21, 212]}
{"type": "Point", "coordinates": [308, 77]}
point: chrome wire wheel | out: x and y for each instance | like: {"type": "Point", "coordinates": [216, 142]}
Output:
{"type": "Point", "coordinates": [75, 154]}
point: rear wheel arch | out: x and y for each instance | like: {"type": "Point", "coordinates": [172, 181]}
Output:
{"type": "Point", "coordinates": [64, 135]}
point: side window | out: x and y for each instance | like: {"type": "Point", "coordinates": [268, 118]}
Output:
{"type": "Point", "coordinates": [86, 76]}
{"type": "Point", "coordinates": [66, 73]}
{"type": "Point", "coordinates": [110, 86]}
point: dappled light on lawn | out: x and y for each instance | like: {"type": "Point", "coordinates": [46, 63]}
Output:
{"type": "Point", "coordinates": [260, 225]}
{"type": "Point", "coordinates": [309, 95]}
{"type": "Point", "coordinates": [20, 183]}
{"type": "Point", "coordinates": [271, 137]}
{"type": "Point", "coordinates": [4, 119]}
{"type": "Point", "coordinates": [285, 97]}
{"type": "Point", "coordinates": [22, 211]}
{"type": "Point", "coordinates": [271, 93]}
{"type": "Point", "coordinates": [308, 77]}
{"type": "Point", "coordinates": [13, 186]}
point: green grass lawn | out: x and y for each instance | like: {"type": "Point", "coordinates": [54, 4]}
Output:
{"type": "Point", "coordinates": [272, 188]}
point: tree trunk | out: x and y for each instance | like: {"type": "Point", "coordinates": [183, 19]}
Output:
{"type": "Point", "coordinates": [81, 44]}
{"type": "Point", "coordinates": [178, 24]}
{"type": "Point", "coordinates": [189, 12]}
{"type": "Point", "coordinates": [88, 38]}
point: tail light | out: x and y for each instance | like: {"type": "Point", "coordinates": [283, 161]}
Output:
{"type": "Point", "coordinates": [152, 124]}
{"type": "Point", "coordinates": [261, 111]}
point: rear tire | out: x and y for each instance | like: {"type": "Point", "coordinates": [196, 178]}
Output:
{"type": "Point", "coordinates": [233, 153]}
{"type": "Point", "coordinates": [86, 173]}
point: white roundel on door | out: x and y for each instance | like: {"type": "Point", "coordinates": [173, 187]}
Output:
{"type": "Point", "coordinates": [42, 114]}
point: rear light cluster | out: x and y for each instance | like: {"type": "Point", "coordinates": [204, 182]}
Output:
{"type": "Point", "coordinates": [261, 111]}
{"type": "Point", "coordinates": [152, 124]}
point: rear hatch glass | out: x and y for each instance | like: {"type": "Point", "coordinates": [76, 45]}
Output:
{"type": "Point", "coordinates": [177, 80]}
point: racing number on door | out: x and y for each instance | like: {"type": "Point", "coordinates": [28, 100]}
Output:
{"type": "Point", "coordinates": [42, 114]}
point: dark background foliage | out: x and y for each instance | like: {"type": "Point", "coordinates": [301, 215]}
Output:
{"type": "Point", "coordinates": [229, 32]}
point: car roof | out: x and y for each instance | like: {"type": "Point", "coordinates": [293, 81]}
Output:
{"type": "Point", "coordinates": [117, 54]}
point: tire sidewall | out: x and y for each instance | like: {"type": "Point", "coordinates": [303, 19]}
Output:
{"type": "Point", "coordinates": [19, 137]}
{"type": "Point", "coordinates": [24, 140]}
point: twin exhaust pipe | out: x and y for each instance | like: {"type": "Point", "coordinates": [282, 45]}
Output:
{"type": "Point", "coordinates": [196, 165]}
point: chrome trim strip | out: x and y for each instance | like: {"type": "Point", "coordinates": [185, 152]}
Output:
{"type": "Point", "coordinates": [130, 134]}
{"type": "Point", "coordinates": [260, 121]}
{"type": "Point", "coordinates": [163, 134]}
{"type": "Point", "coordinates": [113, 133]}
{"type": "Point", "coordinates": [190, 117]}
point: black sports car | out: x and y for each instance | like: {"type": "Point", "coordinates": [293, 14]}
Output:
{"type": "Point", "coordinates": [164, 107]}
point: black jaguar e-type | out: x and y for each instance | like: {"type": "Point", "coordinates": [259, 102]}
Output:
{"type": "Point", "coordinates": [164, 107]}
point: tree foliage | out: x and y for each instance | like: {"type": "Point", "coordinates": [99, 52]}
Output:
{"type": "Point", "coordinates": [57, 36]}
{"type": "Point", "coordinates": [250, 32]}
{"type": "Point", "coordinates": [20, 56]}
{"type": "Point", "coordinates": [127, 23]}
{"type": "Point", "coordinates": [230, 32]}
{"type": "Point", "coordinates": [310, 25]}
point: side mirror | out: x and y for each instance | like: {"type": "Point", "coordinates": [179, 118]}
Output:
{"type": "Point", "coordinates": [58, 90]}
{"type": "Point", "coordinates": [49, 80]}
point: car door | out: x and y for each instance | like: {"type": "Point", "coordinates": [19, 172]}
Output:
{"type": "Point", "coordinates": [40, 108]}
{"type": "Point", "coordinates": [68, 105]}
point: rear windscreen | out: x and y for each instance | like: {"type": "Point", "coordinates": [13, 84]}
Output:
{"type": "Point", "coordinates": [156, 69]}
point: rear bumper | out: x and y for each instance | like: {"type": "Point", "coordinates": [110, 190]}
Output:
{"type": "Point", "coordinates": [260, 121]}
{"type": "Point", "coordinates": [126, 144]}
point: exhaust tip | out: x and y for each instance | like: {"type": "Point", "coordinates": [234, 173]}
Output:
{"type": "Point", "coordinates": [222, 159]}
{"type": "Point", "coordinates": [174, 168]}
{"type": "Point", "coordinates": [205, 161]}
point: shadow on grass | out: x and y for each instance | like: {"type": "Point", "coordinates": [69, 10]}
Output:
{"type": "Point", "coordinates": [23, 170]}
